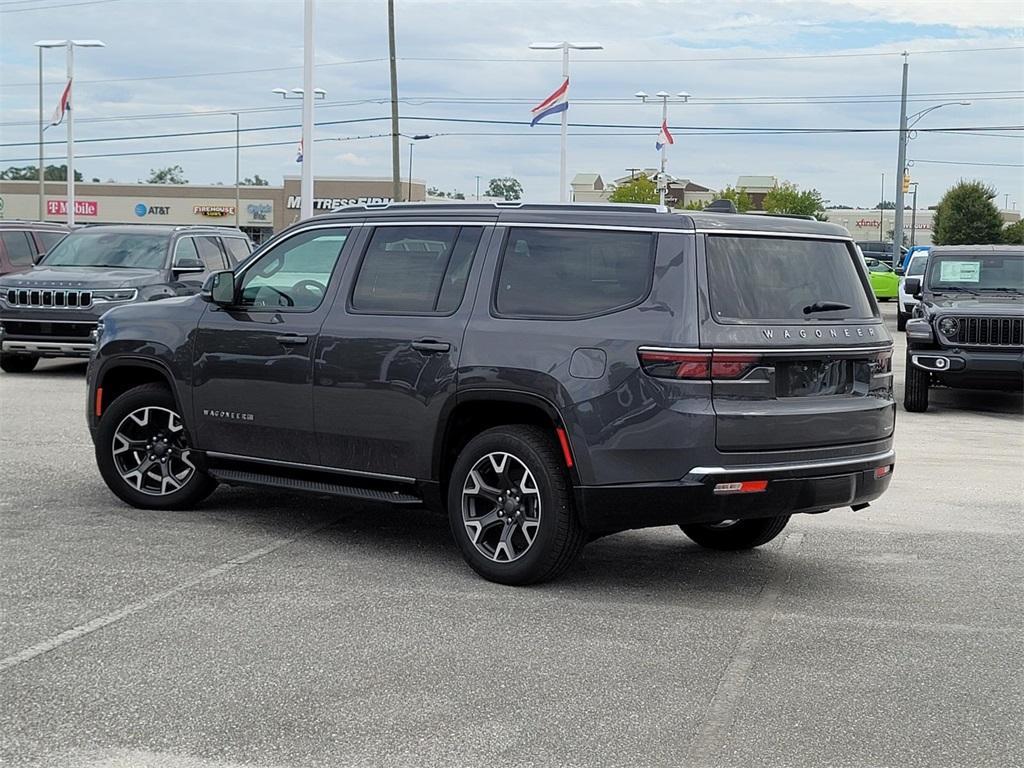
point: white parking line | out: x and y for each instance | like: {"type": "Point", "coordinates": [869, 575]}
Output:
{"type": "Point", "coordinates": [106, 620]}
{"type": "Point", "coordinates": [720, 712]}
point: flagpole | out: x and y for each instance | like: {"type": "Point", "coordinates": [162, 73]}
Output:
{"type": "Point", "coordinates": [71, 134]}
{"type": "Point", "coordinates": [664, 157]}
{"type": "Point", "coordinates": [306, 180]}
{"type": "Point", "coordinates": [565, 127]}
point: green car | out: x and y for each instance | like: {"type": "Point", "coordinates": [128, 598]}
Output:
{"type": "Point", "coordinates": [884, 282]}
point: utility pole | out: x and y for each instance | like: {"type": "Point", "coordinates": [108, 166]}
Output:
{"type": "Point", "coordinates": [42, 180]}
{"type": "Point", "coordinates": [881, 212]}
{"type": "Point", "coordinates": [396, 170]}
{"type": "Point", "coordinates": [632, 172]}
{"type": "Point", "coordinates": [308, 97]}
{"type": "Point", "coordinates": [238, 202]}
{"type": "Point", "coordinates": [901, 168]}
{"type": "Point", "coordinates": [478, 189]}
{"type": "Point", "coordinates": [913, 216]}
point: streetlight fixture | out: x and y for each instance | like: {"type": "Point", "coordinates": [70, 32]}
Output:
{"type": "Point", "coordinates": [412, 143]}
{"type": "Point", "coordinates": [306, 183]}
{"type": "Point", "coordinates": [564, 46]}
{"type": "Point", "coordinates": [298, 93]}
{"type": "Point", "coordinates": [70, 45]}
{"type": "Point", "coordinates": [664, 96]}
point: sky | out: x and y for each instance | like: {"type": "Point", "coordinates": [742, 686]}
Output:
{"type": "Point", "coordinates": [182, 66]}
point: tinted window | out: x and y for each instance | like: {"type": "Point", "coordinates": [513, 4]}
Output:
{"type": "Point", "coordinates": [237, 248]}
{"type": "Point", "coordinates": [49, 239]}
{"type": "Point", "coordinates": [917, 265]}
{"type": "Point", "coordinates": [210, 253]}
{"type": "Point", "coordinates": [109, 249]}
{"type": "Point", "coordinates": [185, 251]}
{"type": "Point", "coordinates": [418, 270]}
{"type": "Point", "coordinates": [19, 249]}
{"type": "Point", "coordinates": [573, 273]}
{"type": "Point", "coordinates": [295, 273]}
{"type": "Point", "coordinates": [760, 278]}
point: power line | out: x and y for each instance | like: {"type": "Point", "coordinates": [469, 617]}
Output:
{"type": "Point", "coordinates": [965, 162]}
{"type": "Point", "coordinates": [61, 5]}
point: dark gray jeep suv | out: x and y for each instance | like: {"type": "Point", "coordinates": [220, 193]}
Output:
{"type": "Point", "coordinates": [52, 310]}
{"type": "Point", "coordinates": [545, 374]}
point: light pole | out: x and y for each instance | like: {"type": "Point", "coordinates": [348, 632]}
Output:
{"type": "Point", "coordinates": [478, 189]}
{"type": "Point", "coordinates": [565, 47]}
{"type": "Point", "coordinates": [664, 96]}
{"type": "Point", "coordinates": [306, 182]}
{"type": "Point", "coordinates": [913, 216]}
{"type": "Point", "coordinates": [42, 181]}
{"type": "Point", "coordinates": [70, 45]}
{"type": "Point", "coordinates": [881, 212]}
{"type": "Point", "coordinates": [238, 201]}
{"type": "Point", "coordinates": [412, 143]}
{"type": "Point", "coordinates": [906, 124]}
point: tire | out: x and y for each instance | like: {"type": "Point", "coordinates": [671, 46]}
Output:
{"type": "Point", "coordinates": [148, 417]}
{"type": "Point", "coordinates": [729, 536]}
{"type": "Point", "coordinates": [915, 388]}
{"type": "Point", "coordinates": [885, 298]}
{"type": "Point", "coordinates": [534, 491]}
{"type": "Point", "coordinates": [18, 363]}
{"type": "Point", "coordinates": [901, 321]}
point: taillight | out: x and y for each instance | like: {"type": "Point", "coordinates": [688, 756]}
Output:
{"type": "Point", "coordinates": [703, 366]}
{"type": "Point", "coordinates": [882, 362]}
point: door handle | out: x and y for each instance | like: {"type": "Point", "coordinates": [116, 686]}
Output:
{"type": "Point", "coordinates": [430, 346]}
{"type": "Point", "coordinates": [291, 339]}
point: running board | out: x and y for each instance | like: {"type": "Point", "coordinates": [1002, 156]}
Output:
{"type": "Point", "coordinates": [236, 477]}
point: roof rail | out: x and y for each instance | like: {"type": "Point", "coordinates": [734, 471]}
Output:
{"type": "Point", "coordinates": [500, 204]}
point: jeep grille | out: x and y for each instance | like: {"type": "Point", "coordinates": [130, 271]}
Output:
{"type": "Point", "coordinates": [989, 332]}
{"type": "Point", "coordinates": [49, 298]}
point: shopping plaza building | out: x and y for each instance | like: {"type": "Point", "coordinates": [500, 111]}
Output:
{"type": "Point", "coordinates": [260, 211]}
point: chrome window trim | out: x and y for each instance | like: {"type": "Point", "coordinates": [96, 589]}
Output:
{"type": "Point", "coordinates": [699, 472]}
{"type": "Point", "coordinates": [784, 235]}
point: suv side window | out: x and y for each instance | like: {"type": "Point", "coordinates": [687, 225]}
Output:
{"type": "Point", "coordinates": [573, 273]}
{"type": "Point", "coordinates": [19, 250]}
{"type": "Point", "coordinates": [185, 251]}
{"type": "Point", "coordinates": [295, 273]}
{"type": "Point", "coordinates": [237, 249]}
{"type": "Point", "coordinates": [48, 239]}
{"type": "Point", "coordinates": [415, 270]}
{"type": "Point", "coordinates": [210, 253]}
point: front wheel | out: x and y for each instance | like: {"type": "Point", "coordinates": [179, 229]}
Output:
{"type": "Point", "coordinates": [18, 363]}
{"type": "Point", "coordinates": [915, 388]}
{"type": "Point", "coordinates": [732, 535]}
{"type": "Point", "coordinates": [510, 507]}
{"type": "Point", "coordinates": [901, 321]}
{"type": "Point", "coordinates": [143, 452]}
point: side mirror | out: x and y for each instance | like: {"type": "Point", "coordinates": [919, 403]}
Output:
{"type": "Point", "coordinates": [188, 266]}
{"type": "Point", "coordinates": [899, 271]}
{"type": "Point", "coordinates": [219, 288]}
{"type": "Point", "coordinates": [912, 285]}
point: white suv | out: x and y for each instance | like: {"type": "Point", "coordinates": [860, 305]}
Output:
{"type": "Point", "coordinates": [915, 268]}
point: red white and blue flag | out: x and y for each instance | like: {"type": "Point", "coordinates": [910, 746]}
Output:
{"type": "Point", "coordinates": [298, 156]}
{"type": "Point", "coordinates": [664, 136]}
{"type": "Point", "coordinates": [63, 106]}
{"type": "Point", "coordinates": [553, 104]}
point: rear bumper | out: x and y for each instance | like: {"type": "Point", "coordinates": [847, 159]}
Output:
{"type": "Point", "coordinates": [791, 488]}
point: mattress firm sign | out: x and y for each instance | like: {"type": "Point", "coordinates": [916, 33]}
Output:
{"type": "Point", "coordinates": [330, 203]}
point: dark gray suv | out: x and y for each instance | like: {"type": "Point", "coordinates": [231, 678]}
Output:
{"type": "Point", "coordinates": [52, 309]}
{"type": "Point", "coordinates": [544, 374]}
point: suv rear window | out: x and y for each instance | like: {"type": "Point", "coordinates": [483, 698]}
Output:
{"type": "Point", "coordinates": [573, 273]}
{"type": "Point", "coordinates": [761, 278]}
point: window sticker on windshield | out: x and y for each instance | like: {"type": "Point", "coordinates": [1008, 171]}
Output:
{"type": "Point", "coordinates": [959, 271]}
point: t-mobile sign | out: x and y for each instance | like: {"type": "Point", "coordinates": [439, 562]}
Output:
{"type": "Point", "coordinates": [82, 208]}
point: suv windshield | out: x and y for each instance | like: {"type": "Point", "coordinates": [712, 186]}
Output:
{"type": "Point", "coordinates": [991, 272]}
{"type": "Point", "coordinates": [762, 278]}
{"type": "Point", "coordinates": [109, 249]}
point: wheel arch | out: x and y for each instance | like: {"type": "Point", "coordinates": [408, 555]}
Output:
{"type": "Point", "coordinates": [123, 374]}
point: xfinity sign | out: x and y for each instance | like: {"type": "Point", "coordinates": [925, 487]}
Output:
{"type": "Point", "coordinates": [330, 203]}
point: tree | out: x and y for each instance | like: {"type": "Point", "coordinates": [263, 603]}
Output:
{"type": "Point", "coordinates": [885, 205]}
{"type": "Point", "coordinates": [638, 190]}
{"type": "Point", "coordinates": [438, 192]}
{"type": "Point", "coordinates": [1014, 233]}
{"type": "Point", "coordinates": [31, 173]}
{"type": "Point", "coordinates": [173, 174]}
{"type": "Point", "coordinates": [787, 198]}
{"type": "Point", "coordinates": [255, 181]}
{"type": "Point", "coordinates": [739, 198]}
{"type": "Point", "coordinates": [505, 187]}
{"type": "Point", "coordinates": [967, 215]}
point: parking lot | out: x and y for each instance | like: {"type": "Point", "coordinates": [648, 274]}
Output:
{"type": "Point", "coordinates": [266, 629]}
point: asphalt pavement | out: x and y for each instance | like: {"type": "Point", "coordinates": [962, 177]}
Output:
{"type": "Point", "coordinates": [268, 629]}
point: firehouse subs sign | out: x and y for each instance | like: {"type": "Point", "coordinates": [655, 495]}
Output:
{"type": "Point", "coordinates": [214, 211]}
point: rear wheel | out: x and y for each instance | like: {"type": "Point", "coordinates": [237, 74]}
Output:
{"type": "Point", "coordinates": [143, 452]}
{"type": "Point", "coordinates": [901, 321]}
{"type": "Point", "coordinates": [510, 507]}
{"type": "Point", "coordinates": [915, 388]}
{"type": "Point", "coordinates": [18, 363]}
{"type": "Point", "coordinates": [731, 535]}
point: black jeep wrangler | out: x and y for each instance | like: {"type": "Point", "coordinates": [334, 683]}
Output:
{"type": "Point", "coordinates": [545, 374]}
{"type": "Point", "coordinates": [52, 309]}
{"type": "Point", "coordinates": [967, 330]}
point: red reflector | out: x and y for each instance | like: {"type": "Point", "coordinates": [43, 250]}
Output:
{"type": "Point", "coordinates": [99, 401]}
{"type": "Point", "coordinates": [563, 440]}
{"type": "Point", "coordinates": [747, 486]}
{"type": "Point", "coordinates": [883, 471]}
